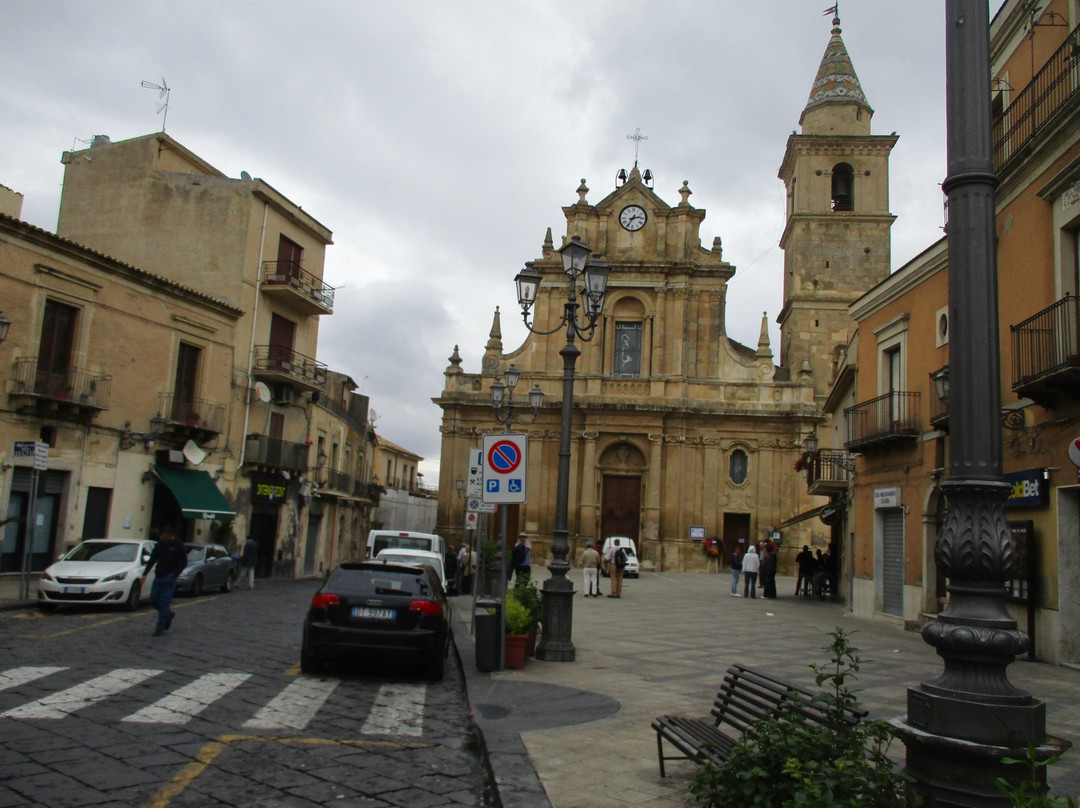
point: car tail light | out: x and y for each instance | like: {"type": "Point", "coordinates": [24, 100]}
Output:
{"type": "Point", "coordinates": [323, 599]}
{"type": "Point", "coordinates": [427, 608]}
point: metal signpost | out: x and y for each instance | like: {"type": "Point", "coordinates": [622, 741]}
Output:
{"type": "Point", "coordinates": [40, 452]}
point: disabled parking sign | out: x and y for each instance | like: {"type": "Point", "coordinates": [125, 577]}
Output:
{"type": "Point", "coordinates": [504, 458]}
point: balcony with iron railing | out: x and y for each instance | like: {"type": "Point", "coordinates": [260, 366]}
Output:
{"type": "Point", "coordinates": [199, 414]}
{"type": "Point", "coordinates": [1046, 352]}
{"type": "Point", "coordinates": [73, 390]}
{"type": "Point", "coordinates": [1050, 96]}
{"type": "Point", "coordinates": [368, 490]}
{"type": "Point", "coordinates": [336, 481]}
{"type": "Point", "coordinates": [280, 365]}
{"type": "Point", "coordinates": [829, 471]}
{"type": "Point", "coordinates": [295, 286]}
{"type": "Point", "coordinates": [881, 421]}
{"type": "Point", "coordinates": [276, 453]}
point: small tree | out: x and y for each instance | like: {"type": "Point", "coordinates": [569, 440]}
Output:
{"type": "Point", "coordinates": [784, 761]}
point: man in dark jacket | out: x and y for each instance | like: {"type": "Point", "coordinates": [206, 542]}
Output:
{"type": "Point", "coordinates": [520, 558]}
{"type": "Point", "coordinates": [170, 558]}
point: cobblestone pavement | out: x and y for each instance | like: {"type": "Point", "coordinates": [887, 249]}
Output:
{"type": "Point", "coordinates": [94, 711]}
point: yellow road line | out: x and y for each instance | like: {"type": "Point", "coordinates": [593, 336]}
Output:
{"type": "Point", "coordinates": [104, 622]}
{"type": "Point", "coordinates": [207, 754]}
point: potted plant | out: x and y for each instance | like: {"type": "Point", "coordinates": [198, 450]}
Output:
{"type": "Point", "coordinates": [517, 630]}
{"type": "Point", "coordinates": [526, 592]}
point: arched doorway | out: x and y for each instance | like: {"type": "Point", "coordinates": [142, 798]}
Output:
{"type": "Point", "coordinates": [621, 468]}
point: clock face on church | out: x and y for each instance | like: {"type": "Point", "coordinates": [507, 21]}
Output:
{"type": "Point", "coordinates": [632, 217]}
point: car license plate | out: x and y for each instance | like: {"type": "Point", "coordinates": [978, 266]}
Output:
{"type": "Point", "coordinates": [367, 613]}
{"type": "Point", "coordinates": [74, 590]}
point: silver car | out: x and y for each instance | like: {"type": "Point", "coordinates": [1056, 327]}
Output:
{"type": "Point", "coordinates": [209, 566]}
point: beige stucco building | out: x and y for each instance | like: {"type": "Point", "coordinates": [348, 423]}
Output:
{"type": "Point", "coordinates": [229, 392]}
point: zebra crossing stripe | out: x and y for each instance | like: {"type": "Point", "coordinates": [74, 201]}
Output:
{"type": "Point", "coordinates": [181, 705]}
{"type": "Point", "coordinates": [398, 710]}
{"type": "Point", "coordinates": [294, 706]}
{"type": "Point", "coordinates": [20, 676]}
{"type": "Point", "coordinates": [76, 698]}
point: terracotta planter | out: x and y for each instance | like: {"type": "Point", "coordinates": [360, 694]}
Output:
{"type": "Point", "coordinates": [515, 650]}
{"type": "Point", "coordinates": [530, 646]}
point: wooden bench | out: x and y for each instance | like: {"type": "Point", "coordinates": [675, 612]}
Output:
{"type": "Point", "coordinates": [745, 696]}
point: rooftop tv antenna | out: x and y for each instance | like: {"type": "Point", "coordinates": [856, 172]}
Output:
{"type": "Point", "coordinates": [163, 93]}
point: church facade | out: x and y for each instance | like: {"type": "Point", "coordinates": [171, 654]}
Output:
{"type": "Point", "coordinates": [680, 433]}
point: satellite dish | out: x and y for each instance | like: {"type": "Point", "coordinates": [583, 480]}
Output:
{"type": "Point", "coordinates": [193, 454]}
{"type": "Point", "coordinates": [245, 176]}
{"type": "Point", "coordinates": [262, 392]}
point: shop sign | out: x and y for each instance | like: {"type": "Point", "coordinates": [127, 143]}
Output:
{"type": "Point", "coordinates": [1028, 489]}
{"type": "Point", "coordinates": [886, 497]}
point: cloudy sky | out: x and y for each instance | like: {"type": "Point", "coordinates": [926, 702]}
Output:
{"type": "Point", "coordinates": [439, 139]}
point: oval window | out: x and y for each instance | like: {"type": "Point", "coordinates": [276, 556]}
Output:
{"type": "Point", "coordinates": [738, 466]}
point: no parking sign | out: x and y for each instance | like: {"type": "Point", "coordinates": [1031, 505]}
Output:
{"type": "Point", "coordinates": [504, 459]}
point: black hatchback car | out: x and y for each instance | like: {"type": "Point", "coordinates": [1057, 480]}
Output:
{"type": "Point", "coordinates": [379, 612]}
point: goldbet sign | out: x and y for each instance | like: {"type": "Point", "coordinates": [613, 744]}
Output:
{"type": "Point", "coordinates": [1029, 489]}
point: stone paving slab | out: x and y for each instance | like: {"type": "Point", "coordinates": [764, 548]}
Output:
{"type": "Point", "coordinates": [663, 648]}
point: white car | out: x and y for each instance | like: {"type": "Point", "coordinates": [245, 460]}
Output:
{"type": "Point", "coordinates": [400, 555]}
{"type": "Point", "coordinates": [98, 572]}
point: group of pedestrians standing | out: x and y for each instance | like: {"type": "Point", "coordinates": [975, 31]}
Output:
{"type": "Point", "coordinates": [759, 561]}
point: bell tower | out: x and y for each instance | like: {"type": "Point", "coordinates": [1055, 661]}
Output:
{"type": "Point", "coordinates": [836, 238]}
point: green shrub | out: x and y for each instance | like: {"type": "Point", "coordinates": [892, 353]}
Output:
{"type": "Point", "coordinates": [517, 615]}
{"type": "Point", "coordinates": [1027, 793]}
{"type": "Point", "coordinates": [786, 761]}
{"type": "Point", "coordinates": [525, 590]}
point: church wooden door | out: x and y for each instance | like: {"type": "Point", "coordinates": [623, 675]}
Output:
{"type": "Point", "coordinates": [620, 507]}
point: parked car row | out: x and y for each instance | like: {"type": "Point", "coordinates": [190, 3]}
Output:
{"type": "Point", "coordinates": [107, 572]}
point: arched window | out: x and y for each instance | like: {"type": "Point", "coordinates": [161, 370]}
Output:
{"type": "Point", "coordinates": [737, 467]}
{"type": "Point", "coordinates": [843, 187]}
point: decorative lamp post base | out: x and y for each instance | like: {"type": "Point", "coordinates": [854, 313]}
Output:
{"type": "Point", "coordinates": [557, 621]}
{"type": "Point", "coordinates": [953, 773]}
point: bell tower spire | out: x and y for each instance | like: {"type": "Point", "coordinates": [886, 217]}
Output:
{"type": "Point", "coordinates": [837, 233]}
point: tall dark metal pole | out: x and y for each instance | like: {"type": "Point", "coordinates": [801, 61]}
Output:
{"type": "Point", "coordinates": [557, 595]}
{"type": "Point", "coordinates": [962, 724]}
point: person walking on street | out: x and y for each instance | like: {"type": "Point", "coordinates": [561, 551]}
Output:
{"type": "Point", "coordinates": [450, 564]}
{"type": "Point", "coordinates": [590, 567]}
{"type": "Point", "coordinates": [736, 568]}
{"type": "Point", "coordinates": [249, 558]}
{"type": "Point", "coordinates": [520, 558]}
{"type": "Point", "coordinates": [750, 566]}
{"type": "Point", "coordinates": [168, 560]}
{"type": "Point", "coordinates": [616, 558]}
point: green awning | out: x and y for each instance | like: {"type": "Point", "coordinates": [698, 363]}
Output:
{"type": "Point", "coordinates": [196, 492]}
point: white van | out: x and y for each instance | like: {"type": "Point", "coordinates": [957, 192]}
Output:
{"type": "Point", "coordinates": [633, 568]}
{"type": "Point", "coordinates": [379, 540]}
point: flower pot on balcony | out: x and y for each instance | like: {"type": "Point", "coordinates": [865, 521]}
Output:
{"type": "Point", "coordinates": [191, 420]}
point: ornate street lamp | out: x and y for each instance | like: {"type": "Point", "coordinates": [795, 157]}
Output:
{"type": "Point", "coordinates": [557, 594]}
{"type": "Point", "coordinates": [962, 725]}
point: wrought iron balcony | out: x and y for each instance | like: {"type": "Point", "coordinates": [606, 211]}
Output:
{"type": "Point", "coordinates": [883, 420]}
{"type": "Point", "coordinates": [1054, 89]}
{"type": "Point", "coordinates": [74, 389]}
{"type": "Point", "coordinates": [262, 450]}
{"type": "Point", "coordinates": [199, 414]}
{"type": "Point", "coordinates": [829, 471]}
{"type": "Point", "coordinates": [297, 287]}
{"type": "Point", "coordinates": [336, 481]}
{"type": "Point", "coordinates": [1046, 352]}
{"type": "Point", "coordinates": [276, 364]}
